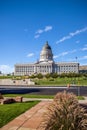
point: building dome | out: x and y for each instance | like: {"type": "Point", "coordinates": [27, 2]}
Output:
{"type": "Point", "coordinates": [46, 53]}
{"type": "Point", "coordinates": [47, 46]}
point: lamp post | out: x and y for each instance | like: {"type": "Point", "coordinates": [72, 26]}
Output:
{"type": "Point", "coordinates": [76, 58]}
{"type": "Point", "coordinates": [78, 89]}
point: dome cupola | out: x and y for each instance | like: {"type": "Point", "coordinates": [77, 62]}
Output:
{"type": "Point", "coordinates": [46, 53]}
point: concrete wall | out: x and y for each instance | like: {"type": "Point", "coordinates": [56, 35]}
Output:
{"type": "Point", "coordinates": [16, 82]}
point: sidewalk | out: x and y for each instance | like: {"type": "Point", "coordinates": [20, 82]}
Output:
{"type": "Point", "coordinates": [83, 101]}
{"type": "Point", "coordinates": [30, 120]}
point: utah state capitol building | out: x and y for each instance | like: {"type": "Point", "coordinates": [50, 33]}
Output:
{"type": "Point", "coordinates": [46, 64]}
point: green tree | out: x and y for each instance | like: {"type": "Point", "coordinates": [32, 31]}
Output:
{"type": "Point", "coordinates": [63, 75]}
{"type": "Point", "coordinates": [32, 76]}
{"type": "Point", "coordinates": [39, 76]}
{"type": "Point", "coordinates": [54, 75]}
{"type": "Point", "coordinates": [48, 76]}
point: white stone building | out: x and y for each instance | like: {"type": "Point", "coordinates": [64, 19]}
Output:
{"type": "Point", "coordinates": [46, 65]}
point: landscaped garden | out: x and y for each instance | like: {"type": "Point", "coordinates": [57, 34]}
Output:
{"type": "Point", "coordinates": [81, 81]}
{"type": "Point", "coordinates": [10, 111]}
{"type": "Point", "coordinates": [54, 79]}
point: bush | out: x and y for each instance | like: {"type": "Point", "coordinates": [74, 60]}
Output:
{"type": "Point", "coordinates": [51, 79]}
{"type": "Point", "coordinates": [39, 76]}
{"type": "Point", "coordinates": [64, 114]}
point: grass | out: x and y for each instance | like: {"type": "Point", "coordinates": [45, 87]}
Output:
{"type": "Point", "coordinates": [63, 81]}
{"type": "Point", "coordinates": [29, 96]}
{"type": "Point", "coordinates": [81, 81]}
{"type": "Point", "coordinates": [36, 96]}
{"type": "Point", "coordinates": [10, 111]}
{"type": "Point", "coordinates": [80, 98]}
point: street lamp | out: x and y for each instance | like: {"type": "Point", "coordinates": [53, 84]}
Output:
{"type": "Point", "coordinates": [78, 89]}
{"type": "Point", "coordinates": [76, 58]}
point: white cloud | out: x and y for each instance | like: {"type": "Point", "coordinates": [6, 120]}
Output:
{"type": "Point", "coordinates": [30, 55]}
{"type": "Point", "coordinates": [72, 34]}
{"type": "Point", "coordinates": [84, 49]}
{"type": "Point", "coordinates": [82, 58]}
{"type": "Point", "coordinates": [73, 51]}
{"type": "Point", "coordinates": [48, 28]}
{"type": "Point", "coordinates": [83, 63]}
{"type": "Point", "coordinates": [55, 56]}
{"type": "Point", "coordinates": [61, 54]}
{"type": "Point", "coordinates": [40, 31]}
{"type": "Point", "coordinates": [6, 69]}
{"type": "Point", "coordinates": [64, 53]}
{"type": "Point", "coordinates": [63, 39]}
{"type": "Point", "coordinates": [36, 36]}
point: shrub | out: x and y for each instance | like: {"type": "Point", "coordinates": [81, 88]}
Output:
{"type": "Point", "coordinates": [39, 76]}
{"type": "Point", "coordinates": [64, 114]}
{"type": "Point", "coordinates": [51, 79]}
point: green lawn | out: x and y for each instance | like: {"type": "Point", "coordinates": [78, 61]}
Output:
{"type": "Point", "coordinates": [9, 111]}
{"type": "Point", "coordinates": [81, 81]}
{"type": "Point", "coordinates": [29, 96]}
{"type": "Point", "coordinates": [36, 96]}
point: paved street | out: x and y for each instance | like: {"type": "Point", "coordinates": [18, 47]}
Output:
{"type": "Point", "coordinates": [43, 90]}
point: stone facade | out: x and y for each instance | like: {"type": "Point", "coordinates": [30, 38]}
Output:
{"type": "Point", "coordinates": [46, 65]}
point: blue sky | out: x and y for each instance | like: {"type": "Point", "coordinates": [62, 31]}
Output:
{"type": "Point", "coordinates": [25, 26]}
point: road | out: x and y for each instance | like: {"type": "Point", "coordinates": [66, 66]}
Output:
{"type": "Point", "coordinates": [42, 90]}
